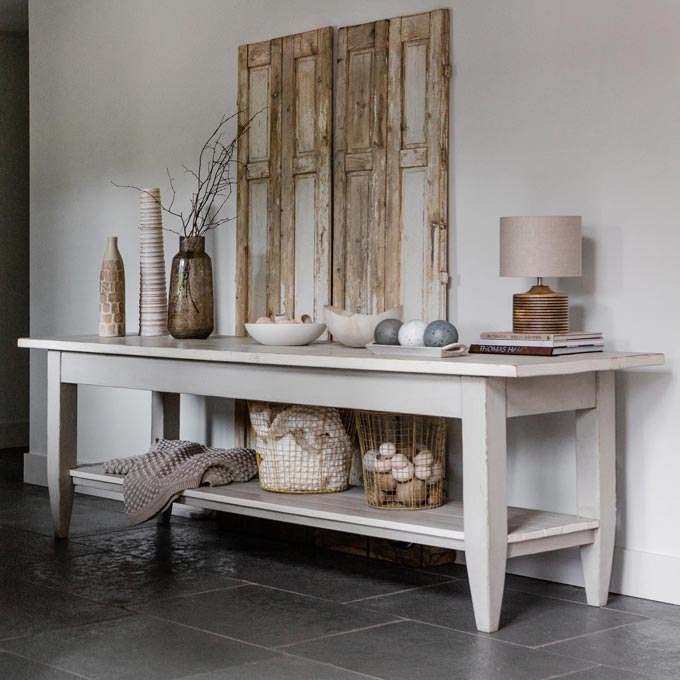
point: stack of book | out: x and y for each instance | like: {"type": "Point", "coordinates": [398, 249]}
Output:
{"type": "Point", "coordinates": [539, 344]}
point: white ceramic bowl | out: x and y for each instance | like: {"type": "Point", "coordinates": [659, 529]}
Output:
{"type": "Point", "coordinates": [355, 330]}
{"type": "Point", "coordinates": [285, 334]}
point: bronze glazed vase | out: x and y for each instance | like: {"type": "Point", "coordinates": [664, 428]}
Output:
{"type": "Point", "coordinates": [190, 301]}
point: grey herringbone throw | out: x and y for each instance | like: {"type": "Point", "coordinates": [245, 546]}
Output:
{"type": "Point", "coordinates": [154, 480]}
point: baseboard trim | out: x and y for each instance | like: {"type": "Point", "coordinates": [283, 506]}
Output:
{"type": "Point", "coordinates": [651, 576]}
{"type": "Point", "coordinates": [35, 468]}
{"type": "Point", "coordinates": [13, 435]}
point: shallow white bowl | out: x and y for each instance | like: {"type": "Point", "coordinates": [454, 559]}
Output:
{"type": "Point", "coordinates": [355, 330]}
{"type": "Point", "coordinates": [285, 334]}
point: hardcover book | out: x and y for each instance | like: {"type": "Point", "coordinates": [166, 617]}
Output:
{"type": "Point", "coordinates": [545, 337]}
{"type": "Point", "coordinates": [533, 351]}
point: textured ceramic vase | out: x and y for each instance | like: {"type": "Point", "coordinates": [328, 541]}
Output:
{"type": "Point", "coordinates": [190, 302]}
{"type": "Point", "coordinates": [112, 292]}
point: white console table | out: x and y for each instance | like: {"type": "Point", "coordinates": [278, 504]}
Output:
{"type": "Point", "coordinates": [482, 390]}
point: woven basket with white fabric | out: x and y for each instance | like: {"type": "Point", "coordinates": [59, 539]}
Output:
{"type": "Point", "coordinates": [302, 449]}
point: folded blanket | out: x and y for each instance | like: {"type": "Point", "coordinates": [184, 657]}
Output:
{"type": "Point", "coordinates": [154, 480]}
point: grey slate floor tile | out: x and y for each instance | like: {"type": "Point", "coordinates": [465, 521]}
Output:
{"type": "Point", "coordinates": [602, 673]}
{"type": "Point", "coordinates": [29, 509]}
{"type": "Point", "coordinates": [27, 609]}
{"type": "Point", "coordinates": [120, 579]}
{"type": "Point", "coordinates": [263, 616]}
{"type": "Point", "coordinates": [522, 583]}
{"type": "Point", "coordinates": [179, 538]}
{"type": "Point", "coordinates": [526, 619]}
{"type": "Point", "coordinates": [21, 547]}
{"type": "Point", "coordinates": [650, 648]}
{"type": "Point", "coordinates": [17, 668]}
{"type": "Point", "coordinates": [655, 610]}
{"type": "Point", "coordinates": [136, 648]}
{"type": "Point", "coordinates": [300, 569]}
{"type": "Point", "coordinates": [415, 651]}
{"type": "Point", "coordinates": [561, 591]}
{"type": "Point", "coordinates": [334, 577]}
{"type": "Point", "coordinates": [167, 571]}
{"type": "Point", "coordinates": [280, 668]}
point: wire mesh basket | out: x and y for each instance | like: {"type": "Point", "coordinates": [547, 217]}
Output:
{"type": "Point", "coordinates": [302, 449]}
{"type": "Point", "coordinates": [403, 459]}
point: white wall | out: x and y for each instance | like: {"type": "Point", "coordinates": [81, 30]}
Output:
{"type": "Point", "coordinates": [14, 298]}
{"type": "Point", "coordinates": [559, 107]}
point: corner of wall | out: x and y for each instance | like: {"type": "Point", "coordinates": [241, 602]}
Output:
{"type": "Point", "coordinates": [13, 435]}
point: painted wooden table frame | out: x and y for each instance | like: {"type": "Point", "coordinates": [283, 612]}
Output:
{"type": "Point", "coordinates": [484, 391]}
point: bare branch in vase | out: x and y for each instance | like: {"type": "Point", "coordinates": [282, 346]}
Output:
{"type": "Point", "coordinates": [214, 181]}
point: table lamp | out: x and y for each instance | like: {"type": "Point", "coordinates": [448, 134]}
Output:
{"type": "Point", "coordinates": [540, 247]}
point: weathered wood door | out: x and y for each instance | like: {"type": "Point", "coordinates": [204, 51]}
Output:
{"type": "Point", "coordinates": [360, 136]}
{"type": "Point", "coordinates": [390, 166]}
{"type": "Point", "coordinates": [284, 177]}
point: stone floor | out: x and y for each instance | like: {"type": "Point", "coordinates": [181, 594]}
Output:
{"type": "Point", "coordinates": [190, 602]}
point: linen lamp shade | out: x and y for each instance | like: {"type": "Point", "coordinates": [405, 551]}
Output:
{"type": "Point", "coordinates": [536, 246]}
{"type": "Point", "coordinates": [540, 246]}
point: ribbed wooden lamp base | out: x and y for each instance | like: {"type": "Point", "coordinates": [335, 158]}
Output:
{"type": "Point", "coordinates": [540, 310]}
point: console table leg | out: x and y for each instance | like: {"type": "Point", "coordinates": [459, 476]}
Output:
{"type": "Point", "coordinates": [164, 425]}
{"type": "Point", "coordinates": [164, 415]}
{"type": "Point", "coordinates": [484, 496]}
{"type": "Point", "coordinates": [62, 437]}
{"type": "Point", "coordinates": [596, 486]}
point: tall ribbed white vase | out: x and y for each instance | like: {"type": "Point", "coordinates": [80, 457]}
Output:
{"type": "Point", "coordinates": [153, 298]}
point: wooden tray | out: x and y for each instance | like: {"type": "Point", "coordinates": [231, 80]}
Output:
{"type": "Point", "coordinates": [454, 350]}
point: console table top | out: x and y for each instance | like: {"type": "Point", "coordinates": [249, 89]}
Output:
{"type": "Point", "coordinates": [327, 355]}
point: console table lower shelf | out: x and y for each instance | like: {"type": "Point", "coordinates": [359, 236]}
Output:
{"type": "Point", "coordinates": [529, 531]}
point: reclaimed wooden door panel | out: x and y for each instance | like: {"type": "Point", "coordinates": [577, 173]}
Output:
{"type": "Point", "coordinates": [390, 166]}
{"type": "Point", "coordinates": [283, 223]}
{"type": "Point", "coordinates": [417, 161]}
{"type": "Point", "coordinates": [259, 176]}
{"type": "Point", "coordinates": [359, 164]}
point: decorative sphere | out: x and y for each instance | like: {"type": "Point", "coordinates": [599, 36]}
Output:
{"type": "Point", "coordinates": [369, 460]}
{"type": "Point", "coordinates": [399, 461]}
{"type": "Point", "coordinates": [440, 333]}
{"type": "Point", "coordinates": [387, 332]}
{"type": "Point", "coordinates": [411, 334]}
{"type": "Point", "coordinates": [387, 449]}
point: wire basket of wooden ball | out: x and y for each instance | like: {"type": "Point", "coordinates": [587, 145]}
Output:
{"type": "Point", "coordinates": [403, 460]}
{"type": "Point", "coordinates": [302, 449]}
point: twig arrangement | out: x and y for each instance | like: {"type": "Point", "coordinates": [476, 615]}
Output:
{"type": "Point", "coordinates": [215, 180]}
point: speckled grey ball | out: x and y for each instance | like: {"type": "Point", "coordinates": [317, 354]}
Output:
{"type": "Point", "coordinates": [440, 333]}
{"type": "Point", "coordinates": [387, 332]}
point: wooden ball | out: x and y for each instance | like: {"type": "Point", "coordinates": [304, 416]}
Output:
{"type": "Point", "coordinates": [423, 472]}
{"type": "Point", "coordinates": [385, 482]}
{"type": "Point", "coordinates": [370, 458]}
{"type": "Point", "coordinates": [412, 493]}
{"type": "Point", "coordinates": [399, 461]}
{"type": "Point", "coordinates": [424, 457]}
{"type": "Point", "coordinates": [387, 449]}
{"type": "Point", "coordinates": [382, 464]}
{"type": "Point", "coordinates": [405, 473]}
{"type": "Point", "coordinates": [437, 474]}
